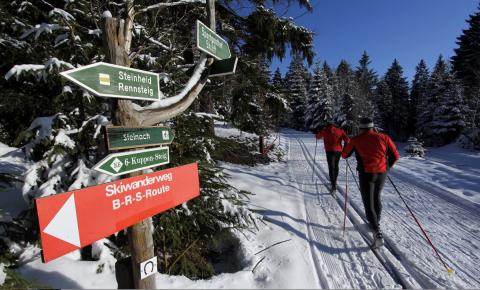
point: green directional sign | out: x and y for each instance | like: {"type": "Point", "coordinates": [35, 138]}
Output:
{"type": "Point", "coordinates": [130, 161]}
{"type": "Point", "coordinates": [134, 137]}
{"type": "Point", "coordinates": [109, 80]}
{"type": "Point", "coordinates": [210, 42]}
{"type": "Point", "coordinates": [219, 68]}
{"type": "Point", "coordinates": [223, 67]}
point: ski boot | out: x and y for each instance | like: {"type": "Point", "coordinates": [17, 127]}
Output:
{"type": "Point", "coordinates": [378, 239]}
{"type": "Point", "coordinates": [333, 189]}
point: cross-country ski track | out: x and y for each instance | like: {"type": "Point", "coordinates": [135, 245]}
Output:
{"type": "Point", "coordinates": [406, 261]}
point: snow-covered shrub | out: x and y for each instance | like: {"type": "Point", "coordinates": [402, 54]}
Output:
{"type": "Point", "coordinates": [415, 148]}
{"type": "Point", "coordinates": [470, 139]}
{"type": "Point", "coordinates": [63, 153]}
{"type": "Point", "coordinates": [220, 208]}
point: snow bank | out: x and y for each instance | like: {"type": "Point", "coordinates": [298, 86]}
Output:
{"type": "Point", "coordinates": [3, 275]}
{"type": "Point", "coordinates": [226, 130]}
{"type": "Point", "coordinates": [4, 149]}
{"type": "Point", "coordinates": [450, 168]}
{"type": "Point", "coordinates": [69, 271]}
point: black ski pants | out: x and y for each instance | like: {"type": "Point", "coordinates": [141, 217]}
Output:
{"type": "Point", "coordinates": [333, 158]}
{"type": "Point", "coordinates": [371, 185]}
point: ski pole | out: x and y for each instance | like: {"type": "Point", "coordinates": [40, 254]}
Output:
{"type": "Point", "coordinates": [314, 156]}
{"type": "Point", "coordinates": [449, 270]}
{"type": "Point", "coordinates": [354, 178]}
{"type": "Point", "coordinates": [346, 198]}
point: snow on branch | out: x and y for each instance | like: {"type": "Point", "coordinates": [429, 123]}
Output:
{"type": "Point", "coordinates": [167, 102]}
{"type": "Point", "coordinates": [159, 43]}
{"type": "Point", "coordinates": [170, 4]}
{"type": "Point", "coordinates": [40, 71]}
{"type": "Point", "coordinates": [19, 69]}
{"type": "Point", "coordinates": [62, 13]}
{"type": "Point", "coordinates": [41, 28]}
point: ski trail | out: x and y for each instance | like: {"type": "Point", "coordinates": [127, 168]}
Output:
{"type": "Point", "coordinates": [451, 222]}
{"type": "Point", "coordinates": [321, 280]}
{"type": "Point", "coordinates": [339, 262]}
{"type": "Point", "coordinates": [387, 260]}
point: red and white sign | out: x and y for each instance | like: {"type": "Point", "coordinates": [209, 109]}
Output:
{"type": "Point", "coordinates": [71, 220]}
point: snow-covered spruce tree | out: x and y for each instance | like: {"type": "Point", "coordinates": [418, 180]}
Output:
{"type": "Point", "coordinates": [383, 107]}
{"type": "Point", "coordinates": [313, 97]}
{"type": "Point", "coordinates": [367, 80]}
{"type": "Point", "coordinates": [345, 102]}
{"type": "Point", "coordinates": [323, 110]}
{"type": "Point", "coordinates": [328, 72]}
{"type": "Point", "coordinates": [419, 113]}
{"type": "Point", "coordinates": [249, 100]}
{"type": "Point", "coordinates": [431, 101]}
{"type": "Point", "coordinates": [448, 117]}
{"type": "Point", "coordinates": [297, 91]}
{"type": "Point", "coordinates": [398, 87]}
{"type": "Point", "coordinates": [185, 237]}
{"type": "Point", "coordinates": [415, 148]}
{"type": "Point", "coordinates": [436, 89]}
{"type": "Point", "coordinates": [277, 82]}
{"type": "Point", "coordinates": [277, 102]}
{"type": "Point", "coordinates": [466, 66]}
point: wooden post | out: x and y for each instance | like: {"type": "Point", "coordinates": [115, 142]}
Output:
{"type": "Point", "coordinates": [140, 236]}
{"type": "Point", "coordinates": [208, 101]}
{"type": "Point", "coordinates": [117, 37]}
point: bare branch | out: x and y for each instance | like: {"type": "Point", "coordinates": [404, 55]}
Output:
{"type": "Point", "coordinates": [129, 26]}
{"type": "Point", "coordinates": [170, 107]}
{"type": "Point", "coordinates": [170, 4]}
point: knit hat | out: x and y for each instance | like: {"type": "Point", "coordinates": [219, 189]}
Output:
{"type": "Point", "coordinates": [366, 123]}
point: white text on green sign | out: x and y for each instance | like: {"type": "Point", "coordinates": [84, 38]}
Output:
{"type": "Point", "coordinates": [130, 161]}
{"type": "Point", "coordinates": [109, 80]}
{"type": "Point", "coordinates": [134, 137]}
{"type": "Point", "coordinates": [210, 42]}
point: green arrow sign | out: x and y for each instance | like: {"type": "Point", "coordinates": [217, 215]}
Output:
{"type": "Point", "coordinates": [109, 80]}
{"type": "Point", "coordinates": [210, 42]}
{"type": "Point", "coordinates": [134, 137]}
{"type": "Point", "coordinates": [223, 67]}
{"type": "Point", "coordinates": [219, 67]}
{"type": "Point", "coordinates": [130, 161]}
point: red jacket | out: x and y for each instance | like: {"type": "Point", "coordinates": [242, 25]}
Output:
{"type": "Point", "coordinates": [332, 138]}
{"type": "Point", "coordinates": [374, 151]}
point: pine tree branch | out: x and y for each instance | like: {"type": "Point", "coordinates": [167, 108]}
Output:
{"type": "Point", "coordinates": [180, 256]}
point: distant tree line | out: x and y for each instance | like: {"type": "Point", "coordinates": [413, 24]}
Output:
{"type": "Point", "coordinates": [437, 107]}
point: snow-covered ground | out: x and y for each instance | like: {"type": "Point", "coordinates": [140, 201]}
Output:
{"type": "Point", "coordinates": [301, 243]}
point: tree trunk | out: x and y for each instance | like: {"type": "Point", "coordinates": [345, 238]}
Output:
{"type": "Point", "coordinates": [207, 102]}
{"type": "Point", "coordinates": [140, 238]}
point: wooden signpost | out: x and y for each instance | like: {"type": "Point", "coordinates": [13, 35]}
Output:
{"type": "Point", "coordinates": [72, 220]}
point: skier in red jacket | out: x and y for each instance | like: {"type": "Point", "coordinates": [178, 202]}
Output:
{"type": "Point", "coordinates": [332, 139]}
{"type": "Point", "coordinates": [375, 153]}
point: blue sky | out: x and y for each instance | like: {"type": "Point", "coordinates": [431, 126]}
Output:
{"type": "Point", "coordinates": [404, 29]}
